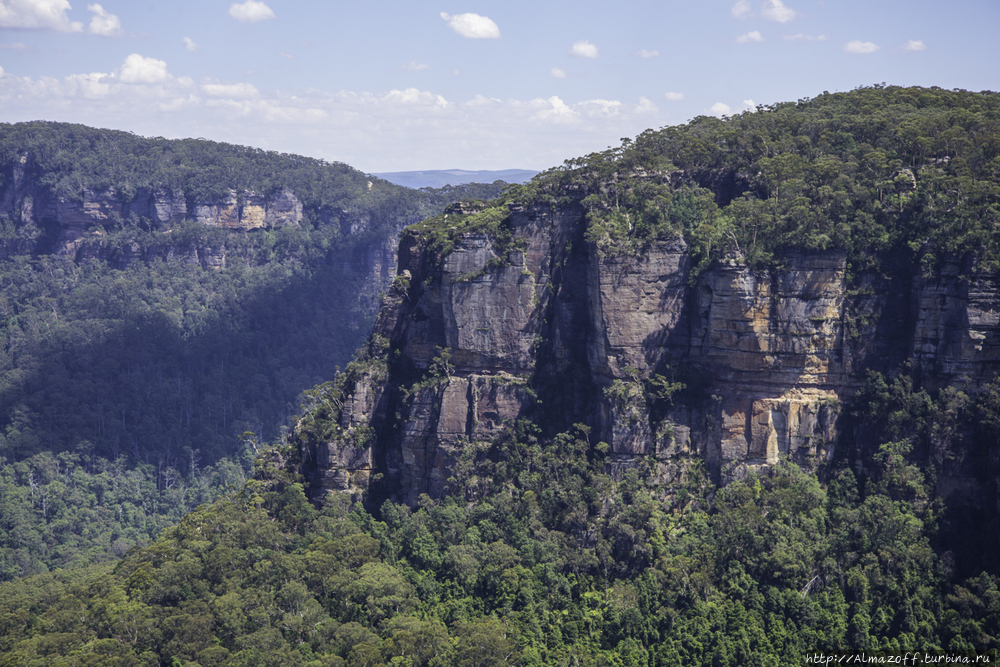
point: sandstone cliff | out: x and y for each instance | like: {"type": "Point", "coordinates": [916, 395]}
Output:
{"type": "Point", "coordinates": [545, 325]}
{"type": "Point", "coordinates": [70, 218]}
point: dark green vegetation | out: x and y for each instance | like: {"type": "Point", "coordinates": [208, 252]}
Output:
{"type": "Point", "coordinates": [538, 556]}
{"type": "Point", "coordinates": [162, 364]}
{"type": "Point", "coordinates": [73, 509]}
{"type": "Point", "coordinates": [878, 172]}
{"type": "Point", "coordinates": [554, 563]}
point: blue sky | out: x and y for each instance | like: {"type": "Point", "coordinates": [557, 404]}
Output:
{"type": "Point", "coordinates": [406, 85]}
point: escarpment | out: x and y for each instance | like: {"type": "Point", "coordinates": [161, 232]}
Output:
{"type": "Point", "coordinates": [732, 366]}
{"type": "Point", "coordinates": [801, 282]}
{"type": "Point", "coordinates": [71, 218]}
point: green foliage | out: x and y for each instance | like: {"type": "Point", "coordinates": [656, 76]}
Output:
{"type": "Point", "coordinates": [554, 563]}
{"type": "Point", "coordinates": [144, 353]}
{"type": "Point", "coordinates": [323, 405]}
{"type": "Point", "coordinates": [137, 367]}
{"type": "Point", "coordinates": [876, 172]}
{"type": "Point", "coordinates": [540, 556]}
{"type": "Point", "coordinates": [75, 509]}
{"type": "Point", "coordinates": [441, 232]}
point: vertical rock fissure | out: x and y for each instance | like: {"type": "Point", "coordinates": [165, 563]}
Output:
{"type": "Point", "coordinates": [472, 396]}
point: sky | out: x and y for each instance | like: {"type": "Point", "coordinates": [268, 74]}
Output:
{"type": "Point", "coordinates": [457, 84]}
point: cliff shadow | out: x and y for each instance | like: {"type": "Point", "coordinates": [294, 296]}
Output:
{"type": "Point", "coordinates": [164, 357]}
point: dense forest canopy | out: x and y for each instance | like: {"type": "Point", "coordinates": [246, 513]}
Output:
{"type": "Point", "coordinates": [554, 564]}
{"type": "Point", "coordinates": [145, 358]}
{"type": "Point", "coordinates": [123, 363]}
{"type": "Point", "coordinates": [877, 172]}
{"type": "Point", "coordinates": [70, 158]}
{"type": "Point", "coordinates": [539, 556]}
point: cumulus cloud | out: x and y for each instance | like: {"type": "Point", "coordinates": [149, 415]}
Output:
{"type": "Point", "coordinates": [741, 10]}
{"type": "Point", "coordinates": [749, 103]}
{"type": "Point", "coordinates": [190, 45]}
{"type": "Point", "coordinates": [857, 46]}
{"type": "Point", "coordinates": [104, 23]}
{"type": "Point", "coordinates": [802, 37]}
{"type": "Point", "coordinates": [752, 36]}
{"type": "Point", "coordinates": [414, 66]}
{"type": "Point", "coordinates": [558, 73]}
{"type": "Point", "coordinates": [674, 97]}
{"type": "Point", "coordinates": [1, 72]}
{"type": "Point", "coordinates": [95, 85]}
{"type": "Point", "coordinates": [583, 49]}
{"type": "Point", "coordinates": [38, 14]}
{"type": "Point", "coordinates": [914, 45]}
{"type": "Point", "coordinates": [776, 10]}
{"type": "Point", "coordinates": [720, 109]}
{"type": "Point", "coordinates": [554, 109]}
{"type": "Point", "coordinates": [417, 97]}
{"type": "Point", "coordinates": [240, 91]}
{"type": "Point", "coordinates": [381, 131]}
{"type": "Point", "coordinates": [251, 11]}
{"type": "Point", "coordinates": [648, 54]}
{"type": "Point", "coordinates": [139, 69]}
{"type": "Point", "coordinates": [472, 26]}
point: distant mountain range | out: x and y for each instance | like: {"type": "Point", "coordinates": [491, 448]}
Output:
{"type": "Point", "coordinates": [438, 178]}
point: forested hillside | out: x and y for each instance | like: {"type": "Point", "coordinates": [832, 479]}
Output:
{"type": "Point", "coordinates": [149, 346]}
{"type": "Point", "coordinates": [602, 523]}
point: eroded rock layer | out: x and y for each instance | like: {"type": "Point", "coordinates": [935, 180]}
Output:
{"type": "Point", "coordinates": [72, 217]}
{"type": "Point", "coordinates": [550, 327]}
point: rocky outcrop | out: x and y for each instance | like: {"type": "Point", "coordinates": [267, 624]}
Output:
{"type": "Point", "coordinates": [71, 216]}
{"type": "Point", "coordinates": [552, 328]}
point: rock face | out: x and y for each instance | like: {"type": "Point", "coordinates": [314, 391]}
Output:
{"type": "Point", "coordinates": [554, 328]}
{"type": "Point", "coordinates": [70, 217]}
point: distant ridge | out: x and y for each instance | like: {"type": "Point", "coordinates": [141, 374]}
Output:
{"type": "Point", "coordinates": [438, 178]}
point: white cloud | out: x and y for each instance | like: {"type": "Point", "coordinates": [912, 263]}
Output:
{"type": "Point", "coordinates": [775, 10]}
{"type": "Point", "coordinates": [286, 56]}
{"type": "Point", "coordinates": [914, 45]}
{"type": "Point", "coordinates": [857, 46]}
{"type": "Point", "coordinates": [383, 131]}
{"type": "Point", "coordinates": [239, 91]}
{"type": "Point", "coordinates": [720, 109]}
{"type": "Point", "coordinates": [603, 107]}
{"type": "Point", "coordinates": [138, 69]}
{"type": "Point", "coordinates": [802, 37]}
{"type": "Point", "coordinates": [583, 49]}
{"type": "Point", "coordinates": [415, 97]}
{"type": "Point", "coordinates": [741, 10]}
{"type": "Point", "coordinates": [1, 72]}
{"type": "Point", "coordinates": [91, 86]}
{"type": "Point", "coordinates": [752, 36]}
{"type": "Point", "coordinates": [38, 14]}
{"type": "Point", "coordinates": [14, 46]}
{"type": "Point", "coordinates": [556, 110]}
{"type": "Point", "coordinates": [190, 45]}
{"type": "Point", "coordinates": [251, 11]}
{"type": "Point", "coordinates": [472, 26]}
{"type": "Point", "coordinates": [558, 73]}
{"type": "Point", "coordinates": [674, 97]}
{"type": "Point", "coordinates": [749, 103]}
{"type": "Point", "coordinates": [104, 23]}
{"type": "Point", "coordinates": [414, 66]}
{"type": "Point", "coordinates": [648, 54]}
